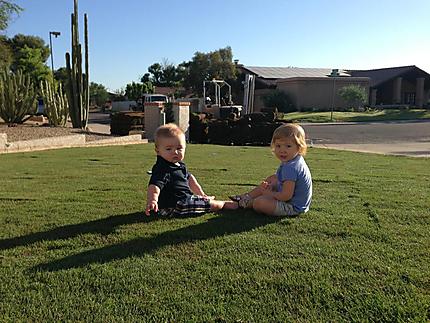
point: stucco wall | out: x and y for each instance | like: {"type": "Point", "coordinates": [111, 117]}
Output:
{"type": "Point", "coordinates": [319, 93]}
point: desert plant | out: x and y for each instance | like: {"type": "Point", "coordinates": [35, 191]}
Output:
{"type": "Point", "coordinates": [17, 96]}
{"type": "Point", "coordinates": [78, 89]}
{"type": "Point", "coordinates": [55, 102]}
{"type": "Point", "coordinates": [280, 100]}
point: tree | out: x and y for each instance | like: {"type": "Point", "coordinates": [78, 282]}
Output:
{"type": "Point", "coordinates": [7, 9]}
{"type": "Point", "coordinates": [169, 77]}
{"type": "Point", "coordinates": [135, 90]}
{"type": "Point", "coordinates": [204, 67]}
{"type": "Point", "coordinates": [98, 94]}
{"type": "Point", "coordinates": [157, 72]}
{"type": "Point", "coordinates": [29, 60]}
{"type": "Point", "coordinates": [6, 55]}
{"type": "Point", "coordinates": [148, 87]}
{"type": "Point", "coordinates": [165, 74]}
{"type": "Point", "coordinates": [354, 95]}
{"type": "Point", "coordinates": [145, 78]}
{"type": "Point", "coordinates": [29, 55]}
{"type": "Point", "coordinates": [61, 76]}
{"type": "Point", "coordinates": [20, 41]}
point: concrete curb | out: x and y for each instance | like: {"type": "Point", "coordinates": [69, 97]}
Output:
{"type": "Point", "coordinates": [64, 142]}
{"type": "Point", "coordinates": [124, 140]}
{"type": "Point", "coordinates": [416, 149]}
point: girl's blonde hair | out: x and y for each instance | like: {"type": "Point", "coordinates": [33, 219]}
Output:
{"type": "Point", "coordinates": [169, 130]}
{"type": "Point", "coordinates": [291, 130]}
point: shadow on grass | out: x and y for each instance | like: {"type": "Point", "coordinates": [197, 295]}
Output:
{"type": "Point", "coordinates": [103, 226]}
{"type": "Point", "coordinates": [224, 224]}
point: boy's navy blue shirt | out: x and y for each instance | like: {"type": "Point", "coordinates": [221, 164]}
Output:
{"type": "Point", "coordinates": [172, 180]}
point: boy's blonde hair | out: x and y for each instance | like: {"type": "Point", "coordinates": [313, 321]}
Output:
{"type": "Point", "coordinates": [291, 130]}
{"type": "Point", "coordinates": [169, 130]}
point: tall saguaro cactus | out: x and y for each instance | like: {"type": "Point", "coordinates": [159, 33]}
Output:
{"type": "Point", "coordinates": [79, 88]}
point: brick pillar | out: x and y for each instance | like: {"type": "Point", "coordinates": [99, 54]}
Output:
{"type": "Point", "coordinates": [181, 114]}
{"type": "Point", "coordinates": [373, 93]}
{"type": "Point", "coordinates": [3, 141]}
{"type": "Point", "coordinates": [153, 118]}
{"type": "Point", "coordinates": [397, 91]}
{"type": "Point", "coordinates": [419, 98]}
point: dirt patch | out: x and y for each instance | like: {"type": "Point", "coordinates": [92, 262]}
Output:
{"type": "Point", "coordinates": [25, 132]}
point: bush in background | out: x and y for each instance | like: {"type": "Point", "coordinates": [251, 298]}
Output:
{"type": "Point", "coordinates": [354, 95]}
{"type": "Point", "coordinates": [280, 100]}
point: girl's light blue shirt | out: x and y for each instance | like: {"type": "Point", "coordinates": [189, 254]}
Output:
{"type": "Point", "coordinates": [298, 171]}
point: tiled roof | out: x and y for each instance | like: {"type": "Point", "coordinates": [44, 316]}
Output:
{"type": "Point", "coordinates": [289, 72]}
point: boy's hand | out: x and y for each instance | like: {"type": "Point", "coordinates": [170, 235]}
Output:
{"type": "Point", "coordinates": [209, 197]}
{"type": "Point", "coordinates": [151, 206]}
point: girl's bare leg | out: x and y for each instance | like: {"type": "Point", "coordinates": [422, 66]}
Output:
{"type": "Point", "coordinates": [226, 205]}
{"type": "Point", "coordinates": [264, 204]}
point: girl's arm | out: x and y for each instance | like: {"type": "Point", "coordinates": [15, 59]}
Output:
{"type": "Point", "coordinates": [286, 194]}
{"type": "Point", "coordinates": [271, 180]}
{"type": "Point", "coordinates": [152, 198]}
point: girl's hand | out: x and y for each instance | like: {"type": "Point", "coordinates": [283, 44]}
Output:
{"type": "Point", "coordinates": [264, 185]}
{"type": "Point", "coordinates": [272, 180]}
{"type": "Point", "coordinates": [209, 197]}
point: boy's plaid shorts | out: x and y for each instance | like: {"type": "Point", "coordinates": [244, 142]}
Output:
{"type": "Point", "coordinates": [194, 205]}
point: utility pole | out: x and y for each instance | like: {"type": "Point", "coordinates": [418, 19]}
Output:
{"type": "Point", "coordinates": [56, 34]}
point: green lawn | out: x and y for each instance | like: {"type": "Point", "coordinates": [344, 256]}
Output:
{"type": "Point", "coordinates": [367, 116]}
{"type": "Point", "coordinates": [75, 245]}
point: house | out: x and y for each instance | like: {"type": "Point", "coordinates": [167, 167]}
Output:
{"type": "Point", "coordinates": [317, 88]}
{"type": "Point", "coordinates": [404, 85]}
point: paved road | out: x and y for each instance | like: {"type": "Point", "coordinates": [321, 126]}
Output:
{"type": "Point", "coordinates": [410, 138]}
{"type": "Point", "coordinates": [398, 138]}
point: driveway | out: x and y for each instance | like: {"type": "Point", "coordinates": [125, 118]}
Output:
{"type": "Point", "coordinates": [411, 138]}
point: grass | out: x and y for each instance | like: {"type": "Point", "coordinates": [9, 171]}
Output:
{"type": "Point", "coordinates": [366, 116]}
{"type": "Point", "coordinates": [75, 245]}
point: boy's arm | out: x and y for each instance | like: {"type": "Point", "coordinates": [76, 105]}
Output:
{"type": "Point", "coordinates": [152, 198]}
{"type": "Point", "coordinates": [195, 187]}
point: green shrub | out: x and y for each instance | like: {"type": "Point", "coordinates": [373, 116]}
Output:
{"type": "Point", "coordinates": [354, 95]}
{"type": "Point", "coordinates": [280, 100]}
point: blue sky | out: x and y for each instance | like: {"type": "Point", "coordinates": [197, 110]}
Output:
{"type": "Point", "coordinates": [127, 36]}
